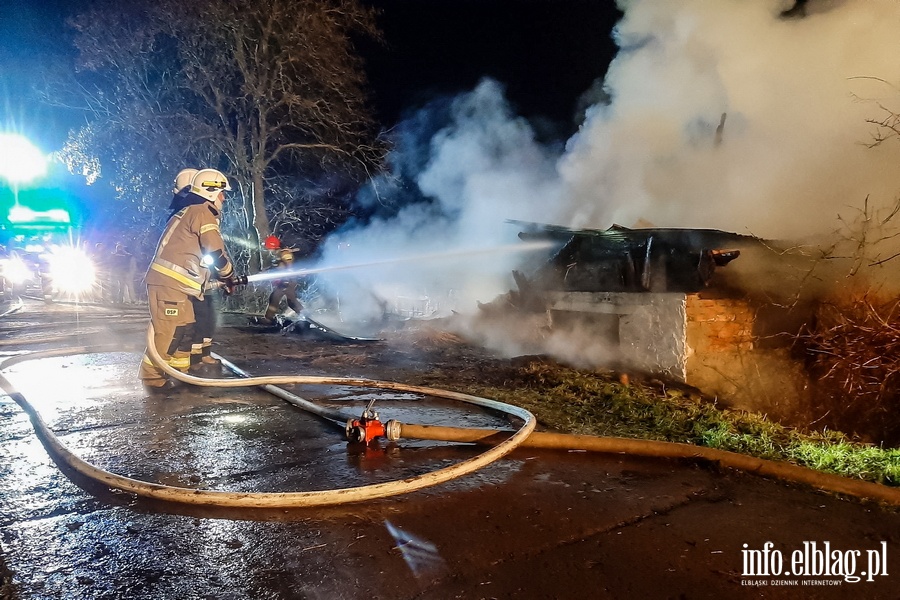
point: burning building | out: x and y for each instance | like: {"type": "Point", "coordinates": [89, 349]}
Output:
{"type": "Point", "coordinates": [657, 297]}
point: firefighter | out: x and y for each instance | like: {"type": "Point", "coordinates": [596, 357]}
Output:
{"type": "Point", "coordinates": [201, 362]}
{"type": "Point", "coordinates": [281, 288]}
{"type": "Point", "coordinates": [190, 247]}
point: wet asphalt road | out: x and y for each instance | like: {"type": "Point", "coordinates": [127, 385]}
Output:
{"type": "Point", "coordinates": [533, 525]}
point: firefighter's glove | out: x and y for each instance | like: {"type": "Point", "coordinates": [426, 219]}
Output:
{"type": "Point", "coordinates": [231, 284]}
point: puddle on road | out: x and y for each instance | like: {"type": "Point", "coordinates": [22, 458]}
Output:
{"type": "Point", "coordinates": [54, 386]}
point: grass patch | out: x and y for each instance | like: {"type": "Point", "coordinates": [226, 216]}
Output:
{"type": "Point", "coordinates": [572, 401]}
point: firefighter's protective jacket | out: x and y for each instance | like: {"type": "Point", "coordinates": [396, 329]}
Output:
{"type": "Point", "coordinates": [190, 234]}
{"type": "Point", "coordinates": [283, 260]}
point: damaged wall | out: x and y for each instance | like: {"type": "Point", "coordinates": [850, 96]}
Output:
{"type": "Point", "coordinates": [651, 326]}
{"type": "Point", "coordinates": [701, 339]}
{"type": "Point", "coordinates": [724, 360]}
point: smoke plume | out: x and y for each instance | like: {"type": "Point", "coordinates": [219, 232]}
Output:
{"type": "Point", "coordinates": [790, 97]}
{"type": "Point", "coordinates": [743, 116]}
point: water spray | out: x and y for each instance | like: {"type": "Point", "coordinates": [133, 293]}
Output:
{"type": "Point", "coordinates": [300, 272]}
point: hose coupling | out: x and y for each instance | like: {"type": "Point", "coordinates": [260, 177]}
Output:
{"type": "Point", "coordinates": [392, 430]}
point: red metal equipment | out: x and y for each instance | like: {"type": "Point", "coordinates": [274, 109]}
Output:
{"type": "Point", "coordinates": [366, 428]}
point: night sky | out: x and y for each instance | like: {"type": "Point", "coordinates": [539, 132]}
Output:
{"type": "Point", "coordinates": [545, 52]}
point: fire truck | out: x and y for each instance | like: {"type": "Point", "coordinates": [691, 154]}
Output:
{"type": "Point", "coordinates": [39, 251]}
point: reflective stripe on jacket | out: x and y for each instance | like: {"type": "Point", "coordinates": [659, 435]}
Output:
{"type": "Point", "coordinates": [191, 233]}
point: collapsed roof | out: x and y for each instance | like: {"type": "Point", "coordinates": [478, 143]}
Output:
{"type": "Point", "coordinates": [620, 259]}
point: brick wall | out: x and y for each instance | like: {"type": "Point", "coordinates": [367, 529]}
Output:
{"type": "Point", "coordinates": [718, 324]}
{"type": "Point", "coordinates": [702, 339]}
{"type": "Point", "coordinates": [724, 360]}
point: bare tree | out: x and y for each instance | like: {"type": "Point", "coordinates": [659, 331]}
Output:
{"type": "Point", "coordinates": [258, 89]}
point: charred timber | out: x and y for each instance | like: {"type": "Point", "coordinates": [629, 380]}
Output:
{"type": "Point", "coordinates": [620, 259]}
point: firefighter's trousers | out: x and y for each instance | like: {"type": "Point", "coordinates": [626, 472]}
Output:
{"type": "Point", "coordinates": [172, 316]}
{"type": "Point", "coordinates": [204, 328]}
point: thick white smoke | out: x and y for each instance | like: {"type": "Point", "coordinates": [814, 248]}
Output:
{"type": "Point", "coordinates": [796, 94]}
{"type": "Point", "coordinates": [721, 115]}
{"type": "Point", "coordinates": [484, 169]}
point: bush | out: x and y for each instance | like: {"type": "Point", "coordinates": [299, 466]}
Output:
{"type": "Point", "coordinates": [854, 355]}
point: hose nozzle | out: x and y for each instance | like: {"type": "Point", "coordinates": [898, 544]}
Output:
{"type": "Point", "coordinates": [230, 284]}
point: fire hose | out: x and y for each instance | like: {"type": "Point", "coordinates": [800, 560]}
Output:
{"type": "Point", "coordinates": [271, 499]}
{"type": "Point", "coordinates": [501, 442]}
{"type": "Point", "coordinates": [395, 430]}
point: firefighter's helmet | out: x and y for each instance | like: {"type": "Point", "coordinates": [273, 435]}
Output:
{"type": "Point", "coordinates": [183, 179]}
{"type": "Point", "coordinates": [286, 256]}
{"type": "Point", "coordinates": [208, 183]}
{"type": "Point", "coordinates": [272, 243]}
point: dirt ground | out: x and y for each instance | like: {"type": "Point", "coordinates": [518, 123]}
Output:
{"type": "Point", "coordinates": [405, 351]}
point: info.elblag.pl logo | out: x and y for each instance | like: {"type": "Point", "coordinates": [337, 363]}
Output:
{"type": "Point", "coordinates": [814, 564]}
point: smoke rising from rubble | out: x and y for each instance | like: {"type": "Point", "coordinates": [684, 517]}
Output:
{"type": "Point", "coordinates": [723, 115]}
{"type": "Point", "coordinates": [483, 169]}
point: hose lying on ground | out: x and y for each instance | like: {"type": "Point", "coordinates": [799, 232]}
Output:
{"type": "Point", "coordinates": [757, 466]}
{"type": "Point", "coordinates": [524, 437]}
{"type": "Point", "coordinates": [559, 441]}
{"type": "Point", "coordinates": [272, 499]}
{"type": "Point", "coordinates": [613, 445]}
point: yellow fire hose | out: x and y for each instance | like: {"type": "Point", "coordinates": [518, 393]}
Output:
{"type": "Point", "coordinates": [270, 499]}
{"type": "Point", "coordinates": [501, 442]}
{"type": "Point", "coordinates": [612, 445]}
